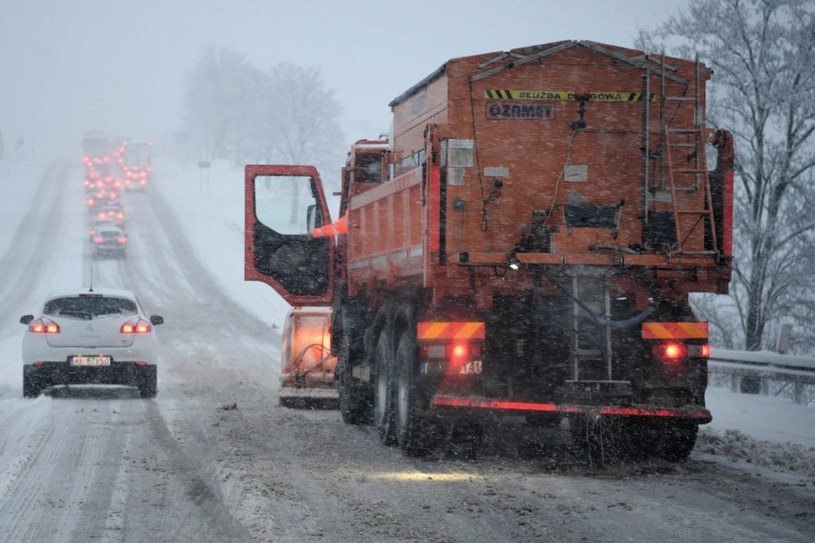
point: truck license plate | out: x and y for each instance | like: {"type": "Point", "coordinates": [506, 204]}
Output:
{"type": "Point", "coordinates": [90, 360]}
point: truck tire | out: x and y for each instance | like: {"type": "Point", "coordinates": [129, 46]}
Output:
{"type": "Point", "coordinates": [412, 434]}
{"type": "Point", "coordinates": [355, 397]}
{"type": "Point", "coordinates": [677, 440]}
{"type": "Point", "coordinates": [383, 396]}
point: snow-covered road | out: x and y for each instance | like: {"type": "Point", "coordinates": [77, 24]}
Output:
{"type": "Point", "coordinates": [214, 457]}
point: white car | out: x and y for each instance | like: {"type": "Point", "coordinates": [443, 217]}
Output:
{"type": "Point", "coordinates": [98, 336]}
{"type": "Point", "coordinates": [109, 241]}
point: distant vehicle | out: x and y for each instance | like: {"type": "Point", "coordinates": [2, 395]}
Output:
{"type": "Point", "coordinates": [109, 241]}
{"type": "Point", "coordinates": [100, 336]}
{"type": "Point", "coordinates": [137, 164]}
{"type": "Point", "coordinates": [106, 193]}
{"type": "Point", "coordinates": [307, 365]}
{"type": "Point", "coordinates": [97, 225]}
{"type": "Point", "coordinates": [114, 213]}
{"type": "Point", "coordinates": [95, 151]}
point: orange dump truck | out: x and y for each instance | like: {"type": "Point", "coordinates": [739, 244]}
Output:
{"type": "Point", "coordinates": [524, 244]}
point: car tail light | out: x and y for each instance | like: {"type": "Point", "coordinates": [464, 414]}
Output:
{"type": "Point", "coordinates": [122, 240]}
{"type": "Point", "coordinates": [706, 350]}
{"type": "Point", "coordinates": [140, 326]}
{"type": "Point", "coordinates": [97, 240]}
{"type": "Point", "coordinates": [43, 326]}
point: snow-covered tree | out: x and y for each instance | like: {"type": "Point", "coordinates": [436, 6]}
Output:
{"type": "Point", "coordinates": [221, 90]}
{"type": "Point", "coordinates": [763, 56]}
{"type": "Point", "coordinates": [283, 115]}
{"type": "Point", "coordinates": [298, 120]}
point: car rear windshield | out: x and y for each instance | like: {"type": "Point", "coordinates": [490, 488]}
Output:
{"type": "Point", "coordinates": [90, 306]}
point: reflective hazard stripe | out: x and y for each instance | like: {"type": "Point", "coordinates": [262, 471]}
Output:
{"type": "Point", "coordinates": [674, 330]}
{"type": "Point", "coordinates": [450, 330]}
{"type": "Point", "coordinates": [562, 95]}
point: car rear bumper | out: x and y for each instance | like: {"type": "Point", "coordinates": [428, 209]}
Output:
{"type": "Point", "coordinates": [109, 251]}
{"type": "Point", "coordinates": [62, 373]}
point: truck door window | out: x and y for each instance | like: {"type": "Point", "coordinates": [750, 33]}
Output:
{"type": "Point", "coordinates": [283, 204]}
{"type": "Point", "coordinates": [287, 208]}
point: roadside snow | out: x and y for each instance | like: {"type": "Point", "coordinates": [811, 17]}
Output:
{"type": "Point", "coordinates": [761, 430]}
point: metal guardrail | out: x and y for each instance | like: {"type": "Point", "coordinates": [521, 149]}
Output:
{"type": "Point", "coordinates": [764, 372]}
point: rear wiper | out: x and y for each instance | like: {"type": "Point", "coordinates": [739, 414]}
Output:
{"type": "Point", "coordinates": [81, 314]}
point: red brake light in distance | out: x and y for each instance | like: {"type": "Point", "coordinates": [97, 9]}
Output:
{"type": "Point", "coordinates": [139, 327]}
{"type": "Point", "coordinates": [122, 240]}
{"type": "Point", "coordinates": [43, 326]}
{"type": "Point", "coordinates": [706, 350]}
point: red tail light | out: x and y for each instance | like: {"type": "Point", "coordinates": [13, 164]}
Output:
{"type": "Point", "coordinates": [670, 351]}
{"type": "Point", "coordinates": [122, 240]}
{"type": "Point", "coordinates": [141, 326]}
{"type": "Point", "coordinates": [43, 326]}
{"type": "Point", "coordinates": [457, 357]}
{"type": "Point", "coordinates": [97, 240]}
{"type": "Point", "coordinates": [458, 353]}
{"type": "Point", "coordinates": [706, 350]}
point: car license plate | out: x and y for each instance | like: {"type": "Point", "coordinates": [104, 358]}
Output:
{"type": "Point", "coordinates": [90, 360]}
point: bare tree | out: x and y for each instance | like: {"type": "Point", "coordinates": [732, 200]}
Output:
{"type": "Point", "coordinates": [298, 119]}
{"type": "Point", "coordinates": [763, 56]}
{"type": "Point", "coordinates": [218, 101]}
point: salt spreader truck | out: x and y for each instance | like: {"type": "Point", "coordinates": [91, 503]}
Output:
{"type": "Point", "coordinates": [523, 244]}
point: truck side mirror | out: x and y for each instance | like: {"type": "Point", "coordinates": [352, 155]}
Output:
{"type": "Point", "coordinates": [314, 217]}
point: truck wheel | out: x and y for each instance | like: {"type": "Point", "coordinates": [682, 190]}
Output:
{"type": "Point", "coordinates": [677, 440]}
{"type": "Point", "coordinates": [383, 399]}
{"type": "Point", "coordinates": [31, 386]}
{"type": "Point", "coordinates": [412, 433]}
{"type": "Point", "coordinates": [355, 397]}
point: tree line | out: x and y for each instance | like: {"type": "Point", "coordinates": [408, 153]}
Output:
{"type": "Point", "coordinates": [283, 115]}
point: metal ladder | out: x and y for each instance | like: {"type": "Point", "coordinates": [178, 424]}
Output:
{"type": "Point", "coordinates": [591, 342]}
{"type": "Point", "coordinates": [687, 145]}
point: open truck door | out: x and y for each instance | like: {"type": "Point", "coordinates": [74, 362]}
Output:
{"type": "Point", "coordinates": [283, 204]}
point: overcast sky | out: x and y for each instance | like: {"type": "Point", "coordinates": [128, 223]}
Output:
{"type": "Point", "coordinates": [67, 66]}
